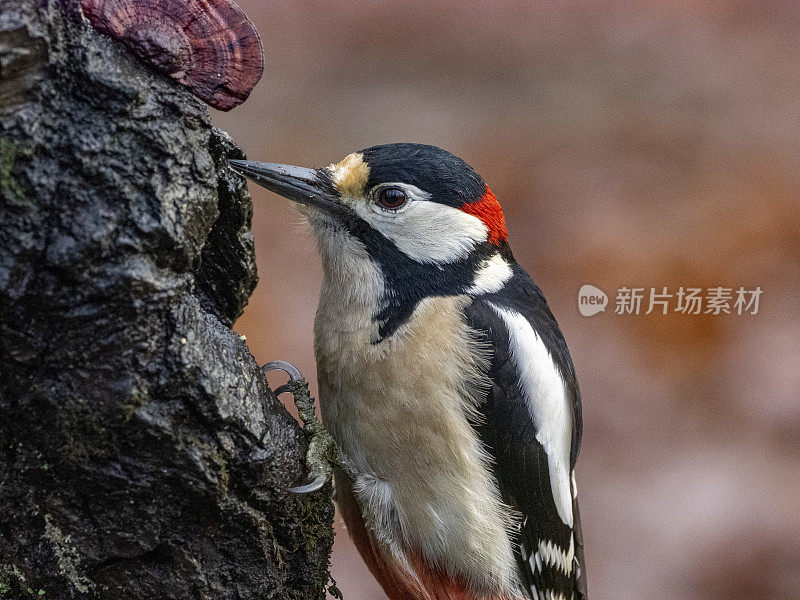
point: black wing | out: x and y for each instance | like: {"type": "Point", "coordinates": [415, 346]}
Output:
{"type": "Point", "coordinates": [509, 431]}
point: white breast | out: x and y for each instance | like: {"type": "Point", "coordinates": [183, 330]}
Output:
{"type": "Point", "coordinates": [399, 411]}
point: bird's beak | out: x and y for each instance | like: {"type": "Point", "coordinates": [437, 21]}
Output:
{"type": "Point", "coordinates": [296, 183]}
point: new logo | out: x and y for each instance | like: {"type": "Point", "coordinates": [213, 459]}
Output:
{"type": "Point", "coordinates": [591, 300]}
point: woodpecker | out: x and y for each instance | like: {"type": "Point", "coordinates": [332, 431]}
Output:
{"type": "Point", "coordinates": [443, 378]}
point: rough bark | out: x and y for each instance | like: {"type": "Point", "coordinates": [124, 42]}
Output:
{"type": "Point", "coordinates": [142, 455]}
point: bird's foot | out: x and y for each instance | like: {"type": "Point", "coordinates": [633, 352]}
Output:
{"type": "Point", "coordinates": [322, 451]}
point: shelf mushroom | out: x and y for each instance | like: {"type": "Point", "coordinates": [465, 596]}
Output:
{"type": "Point", "coordinates": [210, 46]}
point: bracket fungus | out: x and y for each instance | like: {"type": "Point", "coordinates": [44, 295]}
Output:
{"type": "Point", "coordinates": [210, 46]}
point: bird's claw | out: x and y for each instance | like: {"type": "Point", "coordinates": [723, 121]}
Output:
{"type": "Point", "coordinates": [281, 365]}
{"type": "Point", "coordinates": [313, 486]}
{"type": "Point", "coordinates": [322, 451]}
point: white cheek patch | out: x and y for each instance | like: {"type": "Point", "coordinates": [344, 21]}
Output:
{"type": "Point", "coordinates": [491, 276]}
{"type": "Point", "coordinates": [427, 231]}
{"type": "Point", "coordinates": [544, 389]}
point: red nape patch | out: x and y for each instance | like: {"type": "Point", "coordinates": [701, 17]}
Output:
{"type": "Point", "coordinates": [488, 210]}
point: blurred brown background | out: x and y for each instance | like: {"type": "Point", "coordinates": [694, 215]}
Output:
{"type": "Point", "coordinates": [631, 144]}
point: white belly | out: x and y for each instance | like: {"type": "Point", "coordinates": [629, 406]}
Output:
{"type": "Point", "coordinates": [399, 411]}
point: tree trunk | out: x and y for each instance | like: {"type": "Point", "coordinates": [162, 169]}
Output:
{"type": "Point", "coordinates": [142, 455]}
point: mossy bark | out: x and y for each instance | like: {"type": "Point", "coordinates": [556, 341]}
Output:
{"type": "Point", "coordinates": [142, 455]}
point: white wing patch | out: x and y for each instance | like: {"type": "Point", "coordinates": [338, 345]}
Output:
{"type": "Point", "coordinates": [543, 387]}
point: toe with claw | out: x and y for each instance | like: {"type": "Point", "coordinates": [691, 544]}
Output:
{"type": "Point", "coordinates": [322, 451]}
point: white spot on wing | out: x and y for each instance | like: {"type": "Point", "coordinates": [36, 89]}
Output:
{"type": "Point", "coordinates": [555, 556]}
{"type": "Point", "coordinates": [544, 389]}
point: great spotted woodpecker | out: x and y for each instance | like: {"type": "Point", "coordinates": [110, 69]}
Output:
{"type": "Point", "coordinates": [443, 378]}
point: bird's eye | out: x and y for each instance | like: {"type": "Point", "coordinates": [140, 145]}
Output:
{"type": "Point", "coordinates": [391, 198]}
